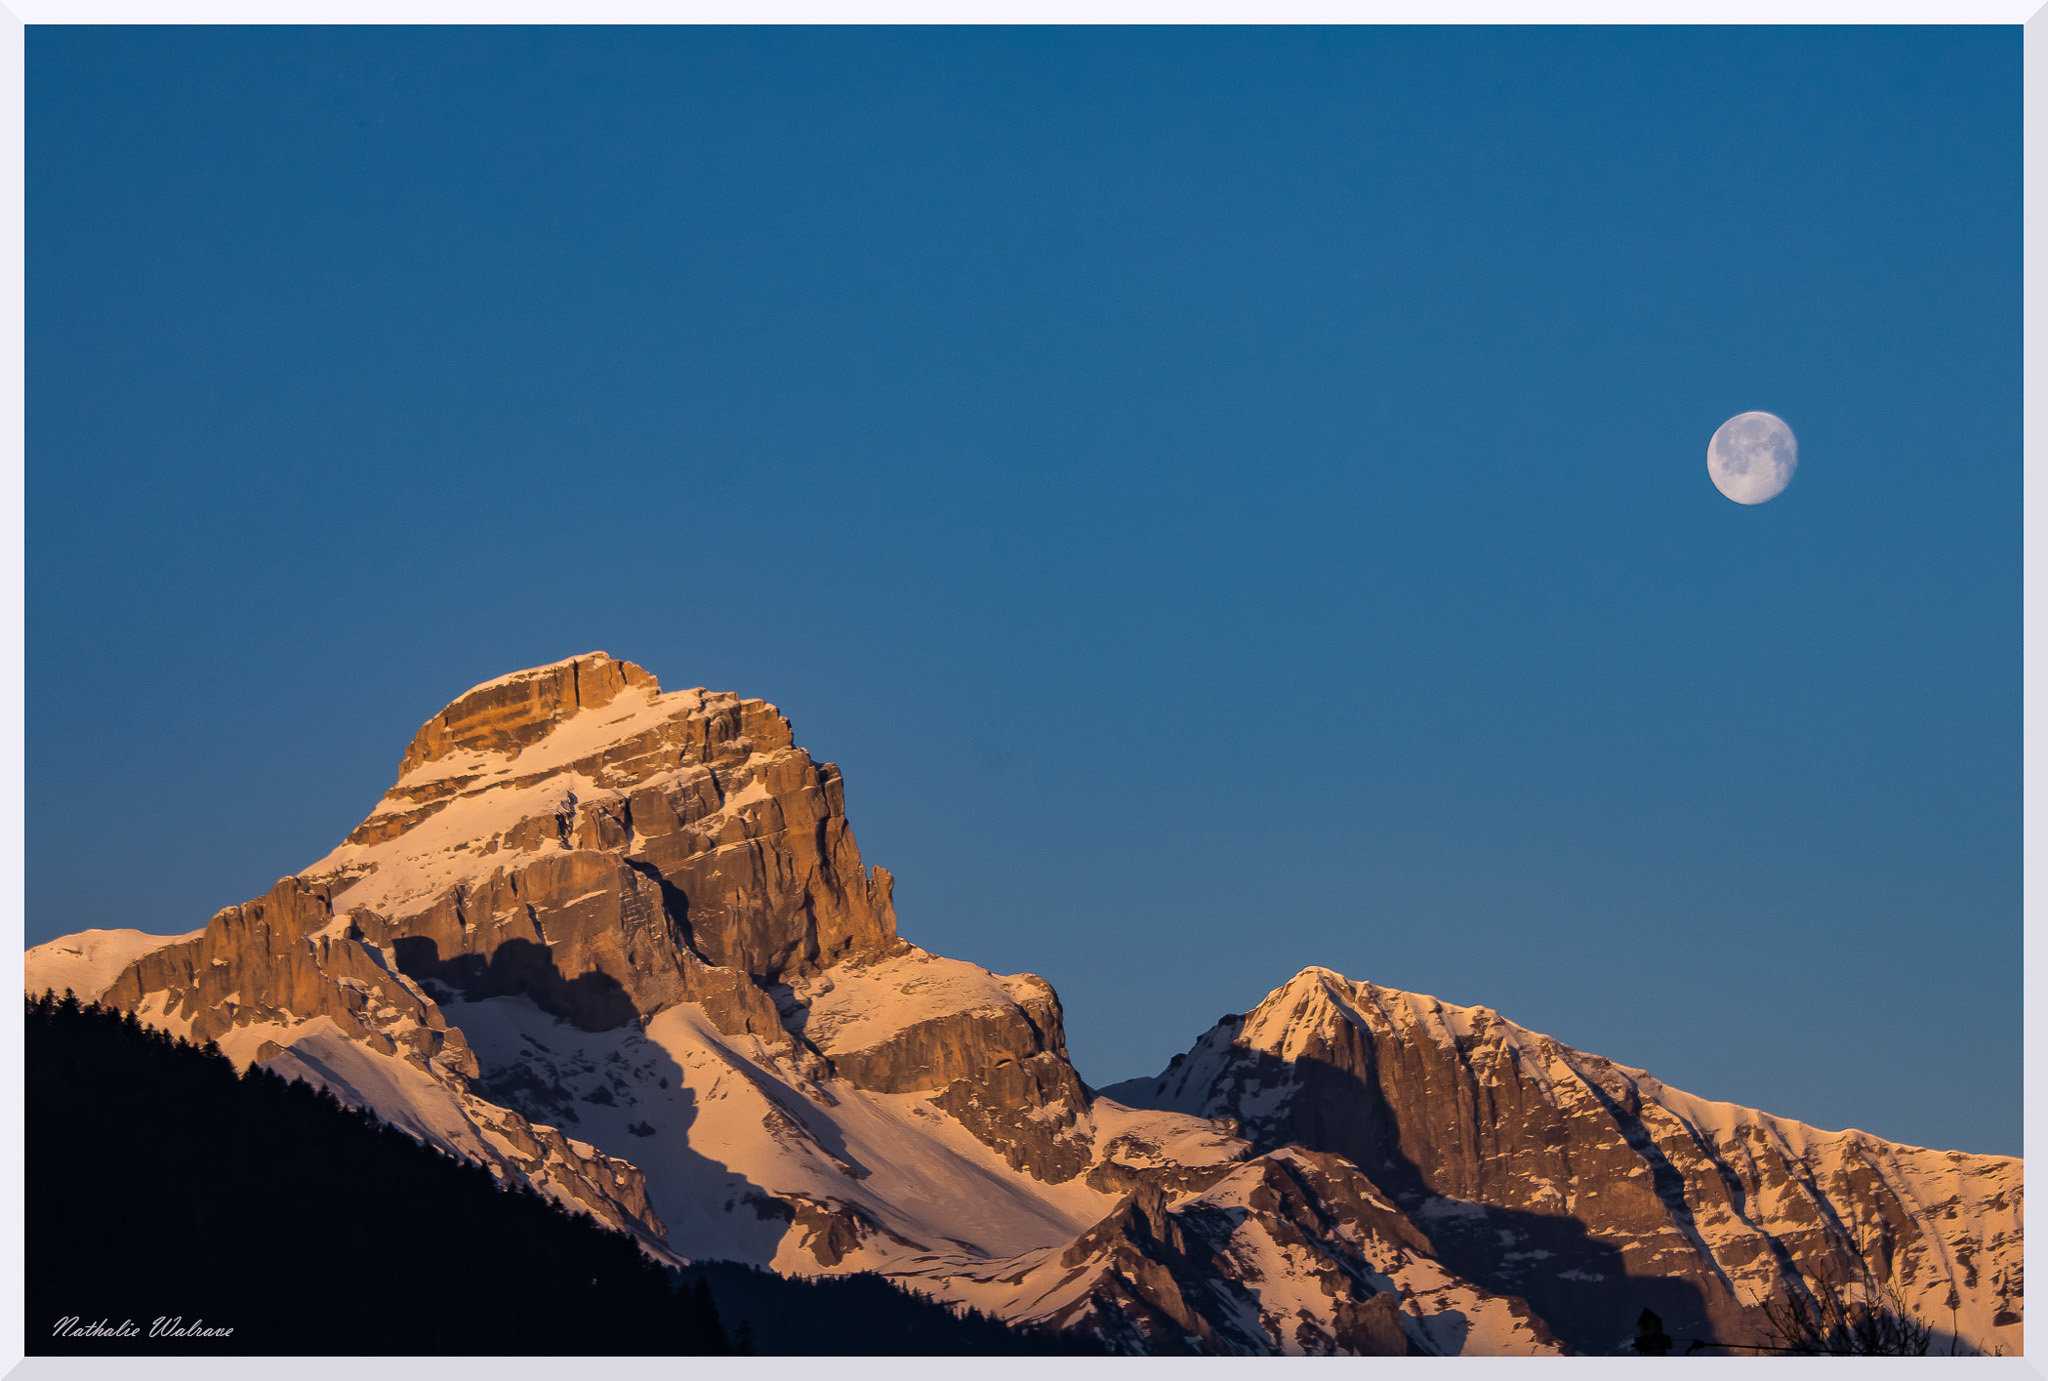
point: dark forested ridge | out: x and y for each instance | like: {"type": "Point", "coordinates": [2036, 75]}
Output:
{"type": "Point", "coordinates": [161, 1185]}
{"type": "Point", "coordinates": [863, 1314]}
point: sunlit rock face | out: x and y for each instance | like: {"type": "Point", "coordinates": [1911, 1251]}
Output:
{"type": "Point", "coordinates": [575, 834]}
{"type": "Point", "coordinates": [620, 945]}
{"type": "Point", "coordinates": [1568, 1180]}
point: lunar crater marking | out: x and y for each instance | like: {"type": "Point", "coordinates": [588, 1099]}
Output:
{"type": "Point", "coordinates": [1752, 457]}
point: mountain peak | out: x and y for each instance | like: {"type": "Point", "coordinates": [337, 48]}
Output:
{"type": "Point", "coordinates": [512, 711]}
{"type": "Point", "coordinates": [1318, 991]}
{"type": "Point", "coordinates": [1313, 977]}
{"type": "Point", "coordinates": [581, 784]}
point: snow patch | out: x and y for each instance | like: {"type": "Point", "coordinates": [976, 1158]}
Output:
{"type": "Point", "coordinates": [88, 962]}
{"type": "Point", "coordinates": [859, 1007]}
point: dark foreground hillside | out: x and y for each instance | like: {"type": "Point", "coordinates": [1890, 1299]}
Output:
{"type": "Point", "coordinates": [162, 1186]}
{"type": "Point", "coordinates": [861, 1315]}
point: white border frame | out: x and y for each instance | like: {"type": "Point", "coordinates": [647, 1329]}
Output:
{"type": "Point", "coordinates": [13, 567]}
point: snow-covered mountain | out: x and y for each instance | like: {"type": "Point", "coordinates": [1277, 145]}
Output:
{"type": "Point", "coordinates": [1558, 1176]}
{"type": "Point", "coordinates": [619, 944]}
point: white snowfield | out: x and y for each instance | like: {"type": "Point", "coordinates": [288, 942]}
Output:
{"type": "Point", "coordinates": [731, 1126]}
{"type": "Point", "coordinates": [88, 962]}
{"type": "Point", "coordinates": [858, 1007]}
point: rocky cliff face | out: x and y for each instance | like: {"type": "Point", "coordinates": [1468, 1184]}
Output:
{"type": "Point", "coordinates": [1572, 1182]}
{"type": "Point", "coordinates": [576, 835]}
{"type": "Point", "coordinates": [620, 944]}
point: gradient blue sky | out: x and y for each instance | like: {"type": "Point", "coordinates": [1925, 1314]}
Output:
{"type": "Point", "coordinates": [1229, 499]}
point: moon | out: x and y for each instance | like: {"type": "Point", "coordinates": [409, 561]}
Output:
{"type": "Point", "coordinates": [1752, 457]}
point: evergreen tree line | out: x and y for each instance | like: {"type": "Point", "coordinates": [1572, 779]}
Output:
{"type": "Point", "coordinates": [862, 1314]}
{"type": "Point", "coordinates": [162, 1185]}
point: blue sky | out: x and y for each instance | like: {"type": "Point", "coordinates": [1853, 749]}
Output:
{"type": "Point", "coordinates": [1229, 499]}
